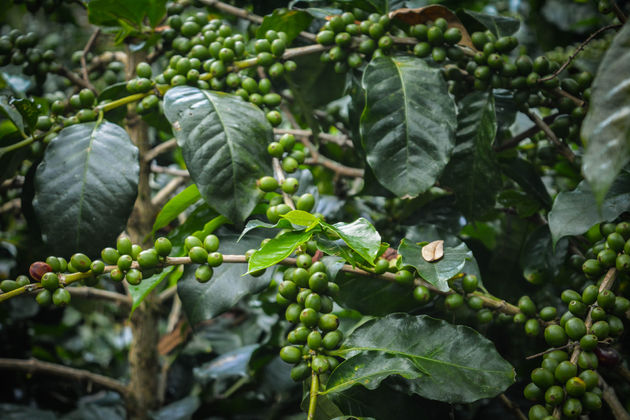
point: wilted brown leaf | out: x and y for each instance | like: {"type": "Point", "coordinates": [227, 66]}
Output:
{"type": "Point", "coordinates": [433, 251]}
{"type": "Point", "coordinates": [430, 13]}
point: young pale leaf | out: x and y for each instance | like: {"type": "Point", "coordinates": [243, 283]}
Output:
{"type": "Point", "coordinates": [436, 360]}
{"type": "Point", "coordinates": [408, 124]}
{"type": "Point", "coordinates": [189, 196]}
{"type": "Point", "coordinates": [360, 235]}
{"type": "Point", "coordinates": [300, 217]}
{"type": "Point", "coordinates": [224, 143]}
{"type": "Point", "coordinates": [85, 187]}
{"type": "Point", "coordinates": [473, 171]}
{"type": "Point", "coordinates": [277, 249]}
{"type": "Point", "coordinates": [606, 128]}
{"type": "Point", "coordinates": [437, 273]}
{"type": "Point", "coordinates": [574, 212]}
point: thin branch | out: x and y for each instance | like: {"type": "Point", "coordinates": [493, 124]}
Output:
{"type": "Point", "coordinates": [14, 205]}
{"type": "Point", "coordinates": [618, 12]}
{"type": "Point", "coordinates": [169, 171]}
{"type": "Point", "coordinates": [341, 140]}
{"type": "Point", "coordinates": [170, 292]}
{"type": "Point", "coordinates": [563, 148]}
{"type": "Point", "coordinates": [91, 292]}
{"type": "Point", "coordinates": [577, 101]}
{"type": "Point", "coordinates": [609, 395]}
{"type": "Point", "coordinates": [336, 167]}
{"type": "Point", "coordinates": [86, 50]}
{"type": "Point", "coordinates": [159, 149]}
{"type": "Point", "coordinates": [552, 349]}
{"type": "Point", "coordinates": [312, 404]}
{"type": "Point", "coordinates": [577, 51]}
{"type": "Point", "coordinates": [38, 366]}
{"type": "Point", "coordinates": [162, 196]}
{"type": "Point", "coordinates": [15, 182]}
{"type": "Point", "coordinates": [512, 407]}
{"type": "Point", "coordinates": [63, 71]}
{"type": "Point", "coordinates": [279, 175]}
{"type": "Point", "coordinates": [299, 51]}
{"type": "Point", "coordinates": [514, 141]}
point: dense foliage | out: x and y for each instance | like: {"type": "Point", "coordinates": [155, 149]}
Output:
{"type": "Point", "coordinates": [350, 209]}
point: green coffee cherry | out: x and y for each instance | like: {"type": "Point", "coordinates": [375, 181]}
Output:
{"type": "Point", "coordinates": [300, 372]}
{"type": "Point", "coordinates": [320, 364]}
{"type": "Point", "coordinates": [124, 262]}
{"type": "Point", "coordinates": [606, 299]}
{"type": "Point", "coordinates": [303, 261]}
{"type": "Point", "coordinates": [163, 246]}
{"type": "Point", "coordinates": [44, 297]}
{"type": "Point", "coordinates": [61, 297]}
{"type": "Point", "coordinates": [548, 313]}
{"type": "Point", "coordinates": [453, 301]}
{"type": "Point", "coordinates": [575, 328]}
{"type": "Point", "coordinates": [134, 276]}
{"type": "Point", "coordinates": [203, 273]}
{"type": "Point", "coordinates": [318, 282]}
{"type": "Point", "coordinates": [405, 278]}
{"type": "Point", "coordinates": [309, 317]}
{"type": "Point", "coordinates": [50, 281]}
{"type": "Point", "coordinates": [421, 294]}
{"type": "Point", "coordinates": [314, 340]}
{"type": "Point", "coordinates": [532, 392]}
{"type": "Point", "coordinates": [148, 259]}
{"type": "Point", "coordinates": [542, 378]}
{"type": "Point", "coordinates": [554, 395]}
{"type": "Point", "coordinates": [328, 322]}
{"type": "Point", "coordinates": [123, 245]}
{"type": "Point", "coordinates": [9, 285]}
{"type": "Point", "coordinates": [211, 243]}
{"type": "Point", "coordinates": [198, 254]}
{"type": "Point", "coordinates": [306, 202]}
{"type": "Point", "coordinates": [527, 306]}
{"type": "Point", "coordinates": [81, 262]}
{"type": "Point", "coordinates": [588, 342]}
{"type": "Point", "coordinates": [532, 327]}
{"type": "Point", "coordinates": [292, 313]}
{"type": "Point", "coordinates": [555, 336]}
{"type": "Point", "coordinates": [470, 281]}
{"type": "Point", "coordinates": [290, 354]}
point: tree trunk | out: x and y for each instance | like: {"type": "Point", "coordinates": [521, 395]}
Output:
{"type": "Point", "coordinates": [142, 395]}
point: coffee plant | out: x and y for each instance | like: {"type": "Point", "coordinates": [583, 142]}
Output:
{"type": "Point", "coordinates": [331, 210]}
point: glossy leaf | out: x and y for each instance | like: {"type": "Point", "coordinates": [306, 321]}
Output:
{"type": "Point", "coordinates": [408, 124]}
{"type": "Point", "coordinates": [606, 128]}
{"type": "Point", "coordinates": [300, 218]}
{"type": "Point", "coordinates": [224, 141]}
{"type": "Point", "coordinates": [473, 172]}
{"type": "Point", "coordinates": [179, 410]}
{"type": "Point", "coordinates": [277, 249]}
{"type": "Point", "coordinates": [141, 291]}
{"type": "Point", "coordinates": [85, 187]}
{"type": "Point", "coordinates": [436, 360]}
{"type": "Point", "coordinates": [175, 206]}
{"type": "Point", "coordinates": [498, 25]}
{"type": "Point", "coordinates": [574, 212]}
{"type": "Point", "coordinates": [256, 223]}
{"type": "Point", "coordinates": [339, 249]}
{"type": "Point", "coordinates": [437, 273]}
{"type": "Point", "coordinates": [373, 296]}
{"type": "Point", "coordinates": [233, 363]}
{"type": "Point", "coordinates": [226, 288]}
{"type": "Point", "coordinates": [360, 235]}
{"type": "Point", "coordinates": [291, 22]}
{"type": "Point", "coordinates": [525, 175]}
{"type": "Point", "coordinates": [12, 114]}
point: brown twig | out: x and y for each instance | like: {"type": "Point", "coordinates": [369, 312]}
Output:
{"type": "Point", "coordinates": [512, 407]}
{"type": "Point", "coordinates": [609, 395]}
{"type": "Point", "coordinates": [86, 50]}
{"type": "Point", "coordinates": [577, 101]}
{"type": "Point", "coordinates": [299, 51]}
{"type": "Point", "coordinates": [91, 292]}
{"type": "Point", "coordinates": [338, 168]}
{"type": "Point", "coordinates": [563, 148]}
{"type": "Point", "coordinates": [63, 71]}
{"type": "Point", "coordinates": [162, 196]}
{"type": "Point", "coordinates": [170, 171]}
{"type": "Point", "coordinates": [341, 140]}
{"type": "Point", "coordinates": [618, 12]}
{"type": "Point", "coordinates": [159, 149]}
{"type": "Point", "coordinates": [279, 175]}
{"type": "Point", "coordinates": [514, 141]}
{"type": "Point", "coordinates": [577, 51]}
{"type": "Point", "coordinates": [38, 366]}
{"type": "Point", "coordinates": [552, 349]}
{"type": "Point", "coordinates": [15, 182]}
{"type": "Point", "coordinates": [14, 205]}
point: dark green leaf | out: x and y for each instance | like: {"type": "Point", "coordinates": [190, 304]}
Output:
{"type": "Point", "coordinates": [525, 175]}
{"type": "Point", "coordinates": [308, 81]}
{"type": "Point", "coordinates": [538, 253]}
{"type": "Point", "coordinates": [255, 223]}
{"type": "Point", "coordinates": [233, 363]}
{"type": "Point", "coordinates": [228, 285]}
{"type": "Point", "coordinates": [408, 124]}
{"type": "Point", "coordinates": [277, 249]}
{"type": "Point", "coordinates": [291, 22]}
{"type": "Point", "coordinates": [128, 14]}
{"type": "Point", "coordinates": [498, 25]}
{"type": "Point", "coordinates": [524, 204]}
{"type": "Point", "coordinates": [360, 235]}
{"type": "Point", "coordinates": [224, 143]}
{"type": "Point", "coordinates": [373, 296]}
{"type": "Point", "coordinates": [85, 187]}
{"type": "Point", "coordinates": [574, 212]}
{"type": "Point", "coordinates": [606, 128]}
{"type": "Point", "coordinates": [339, 249]}
{"type": "Point", "coordinates": [437, 273]}
{"type": "Point", "coordinates": [173, 208]}
{"type": "Point", "coordinates": [141, 291]}
{"type": "Point", "coordinates": [179, 410]}
{"type": "Point", "coordinates": [439, 361]}
{"type": "Point", "coordinates": [29, 111]}
{"type": "Point", "coordinates": [12, 114]}
{"type": "Point", "coordinates": [194, 223]}
{"type": "Point", "coordinates": [473, 173]}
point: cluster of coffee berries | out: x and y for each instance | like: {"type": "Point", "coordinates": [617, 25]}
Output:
{"type": "Point", "coordinates": [205, 253]}
{"type": "Point", "coordinates": [21, 50]}
{"type": "Point", "coordinates": [307, 293]}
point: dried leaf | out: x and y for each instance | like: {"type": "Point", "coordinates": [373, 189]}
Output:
{"type": "Point", "coordinates": [433, 251]}
{"type": "Point", "coordinates": [431, 13]}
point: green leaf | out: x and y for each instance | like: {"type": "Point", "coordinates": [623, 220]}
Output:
{"type": "Point", "coordinates": [408, 124]}
{"type": "Point", "coordinates": [360, 235]}
{"type": "Point", "coordinates": [524, 204]}
{"type": "Point", "coordinates": [338, 248]}
{"type": "Point", "coordinates": [127, 14]}
{"type": "Point", "coordinates": [300, 218]}
{"type": "Point", "coordinates": [224, 143]}
{"type": "Point", "coordinates": [12, 114]}
{"type": "Point", "coordinates": [436, 360]}
{"type": "Point", "coordinates": [203, 301]}
{"type": "Point", "coordinates": [525, 175]}
{"type": "Point", "coordinates": [498, 25]}
{"type": "Point", "coordinates": [277, 249]}
{"type": "Point", "coordinates": [255, 223]}
{"type": "Point", "coordinates": [540, 254]}
{"type": "Point", "coordinates": [437, 273]}
{"type": "Point", "coordinates": [373, 296]}
{"type": "Point", "coordinates": [606, 128]}
{"type": "Point", "coordinates": [193, 225]}
{"type": "Point", "coordinates": [175, 206]}
{"type": "Point", "coordinates": [142, 290]}
{"type": "Point", "coordinates": [29, 111]}
{"type": "Point", "coordinates": [291, 22]}
{"type": "Point", "coordinates": [574, 212]}
{"type": "Point", "coordinates": [85, 187]}
{"type": "Point", "coordinates": [230, 364]}
{"type": "Point", "coordinates": [473, 172]}
{"type": "Point", "coordinates": [180, 409]}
